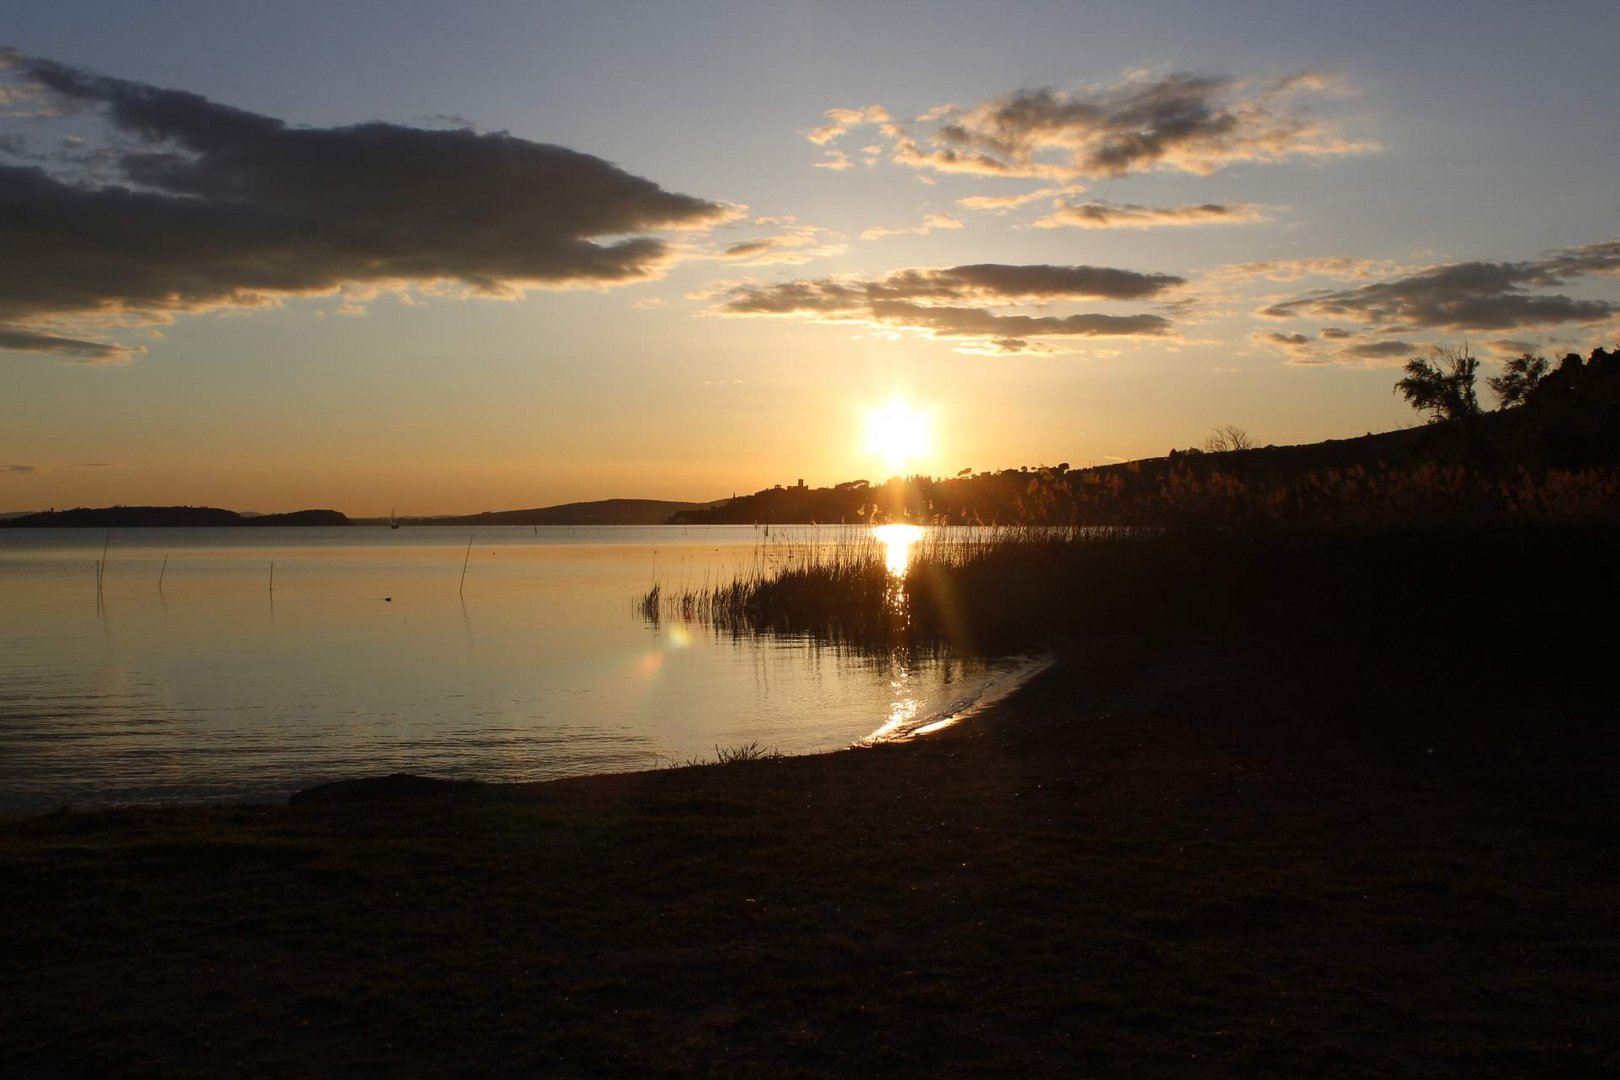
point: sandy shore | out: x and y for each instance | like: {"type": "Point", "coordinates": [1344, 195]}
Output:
{"type": "Point", "coordinates": [1149, 861]}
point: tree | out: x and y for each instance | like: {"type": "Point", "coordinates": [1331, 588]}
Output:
{"type": "Point", "coordinates": [1520, 376]}
{"type": "Point", "coordinates": [1228, 437]}
{"type": "Point", "coordinates": [1441, 387]}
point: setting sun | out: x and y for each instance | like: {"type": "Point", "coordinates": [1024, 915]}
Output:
{"type": "Point", "coordinates": [898, 433]}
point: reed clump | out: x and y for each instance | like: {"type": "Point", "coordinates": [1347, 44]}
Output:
{"type": "Point", "coordinates": [1514, 586]}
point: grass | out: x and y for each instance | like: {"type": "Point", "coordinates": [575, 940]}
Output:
{"type": "Point", "coordinates": [737, 755]}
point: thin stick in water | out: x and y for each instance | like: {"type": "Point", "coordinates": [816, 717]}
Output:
{"type": "Point", "coordinates": [164, 569]}
{"type": "Point", "coordinates": [464, 563]}
{"type": "Point", "coordinates": [272, 577]}
{"type": "Point", "coordinates": [101, 567]}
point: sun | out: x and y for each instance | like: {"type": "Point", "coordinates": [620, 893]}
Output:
{"type": "Point", "coordinates": [898, 433]}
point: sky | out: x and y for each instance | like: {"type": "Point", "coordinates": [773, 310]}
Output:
{"type": "Point", "coordinates": [444, 258]}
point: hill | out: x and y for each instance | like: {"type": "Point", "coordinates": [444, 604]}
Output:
{"type": "Point", "coordinates": [1555, 456]}
{"type": "Point", "coordinates": [121, 517]}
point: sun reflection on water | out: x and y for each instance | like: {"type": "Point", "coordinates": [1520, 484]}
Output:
{"type": "Point", "coordinates": [897, 541]}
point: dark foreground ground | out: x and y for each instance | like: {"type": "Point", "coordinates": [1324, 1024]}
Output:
{"type": "Point", "coordinates": [1150, 863]}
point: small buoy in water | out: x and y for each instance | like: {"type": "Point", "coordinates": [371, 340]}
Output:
{"type": "Point", "coordinates": [388, 599]}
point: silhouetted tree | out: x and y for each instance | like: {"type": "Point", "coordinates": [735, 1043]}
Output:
{"type": "Point", "coordinates": [1521, 375]}
{"type": "Point", "coordinates": [1441, 387]}
{"type": "Point", "coordinates": [1228, 437]}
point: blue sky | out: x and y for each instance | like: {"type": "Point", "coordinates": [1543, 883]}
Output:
{"type": "Point", "coordinates": [1384, 178]}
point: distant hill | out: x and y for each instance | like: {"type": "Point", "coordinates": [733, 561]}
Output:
{"type": "Point", "coordinates": [120, 517]}
{"type": "Point", "coordinates": [1130, 492]}
{"type": "Point", "coordinates": [601, 512]}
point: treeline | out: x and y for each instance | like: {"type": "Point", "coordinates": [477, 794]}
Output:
{"type": "Point", "coordinates": [600, 512]}
{"type": "Point", "coordinates": [119, 517]}
{"type": "Point", "coordinates": [1551, 453]}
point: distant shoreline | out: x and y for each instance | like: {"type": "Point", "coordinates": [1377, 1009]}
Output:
{"type": "Point", "coordinates": [190, 517]}
{"type": "Point", "coordinates": [600, 512]}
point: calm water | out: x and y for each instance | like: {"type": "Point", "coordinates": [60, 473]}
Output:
{"type": "Point", "coordinates": [364, 659]}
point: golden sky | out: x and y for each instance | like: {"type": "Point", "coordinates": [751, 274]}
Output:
{"type": "Point", "coordinates": [502, 256]}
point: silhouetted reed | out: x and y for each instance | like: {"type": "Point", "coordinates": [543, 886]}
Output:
{"type": "Point", "coordinates": [1515, 587]}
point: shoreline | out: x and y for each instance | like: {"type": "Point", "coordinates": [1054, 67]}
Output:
{"type": "Point", "coordinates": [994, 688]}
{"type": "Point", "coordinates": [1150, 859]}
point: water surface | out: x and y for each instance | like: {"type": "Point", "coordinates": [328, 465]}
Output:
{"type": "Point", "coordinates": [243, 663]}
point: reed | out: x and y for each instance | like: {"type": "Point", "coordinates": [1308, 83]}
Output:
{"type": "Point", "coordinates": [1511, 587]}
{"type": "Point", "coordinates": [101, 564]}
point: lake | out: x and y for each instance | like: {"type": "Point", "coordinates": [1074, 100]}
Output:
{"type": "Point", "coordinates": [241, 664]}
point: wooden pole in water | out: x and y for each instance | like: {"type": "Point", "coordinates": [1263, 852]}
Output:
{"type": "Point", "coordinates": [464, 563]}
{"type": "Point", "coordinates": [101, 567]}
{"type": "Point", "coordinates": [272, 577]}
{"type": "Point", "coordinates": [164, 569]}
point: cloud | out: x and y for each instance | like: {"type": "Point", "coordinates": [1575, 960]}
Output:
{"type": "Point", "coordinates": [1299, 348]}
{"type": "Point", "coordinates": [1338, 267]}
{"type": "Point", "coordinates": [1470, 295]}
{"type": "Point", "coordinates": [22, 468]}
{"type": "Point", "coordinates": [957, 302]}
{"type": "Point", "coordinates": [1186, 123]}
{"type": "Point", "coordinates": [929, 223]}
{"type": "Point", "coordinates": [1003, 203]}
{"type": "Point", "coordinates": [94, 464]}
{"type": "Point", "coordinates": [1304, 349]}
{"type": "Point", "coordinates": [1380, 350]}
{"type": "Point", "coordinates": [1515, 346]}
{"type": "Point", "coordinates": [841, 120]}
{"type": "Point", "coordinates": [21, 339]}
{"type": "Point", "coordinates": [785, 243]}
{"type": "Point", "coordinates": [191, 205]}
{"type": "Point", "coordinates": [1103, 215]}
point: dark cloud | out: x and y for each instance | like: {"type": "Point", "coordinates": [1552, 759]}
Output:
{"type": "Point", "coordinates": [1180, 122]}
{"type": "Point", "coordinates": [95, 464]}
{"type": "Point", "coordinates": [45, 344]}
{"type": "Point", "coordinates": [1303, 349]}
{"type": "Point", "coordinates": [1300, 348]}
{"type": "Point", "coordinates": [747, 249]}
{"type": "Point", "coordinates": [1033, 282]}
{"type": "Point", "coordinates": [956, 302]}
{"type": "Point", "coordinates": [998, 282]}
{"type": "Point", "coordinates": [208, 205]}
{"type": "Point", "coordinates": [22, 468]}
{"type": "Point", "coordinates": [1103, 215]}
{"type": "Point", "coordinates": [1471, 295]}
{"type": "Point", "coordinates": [1380, 350]}
{"type": "Point", "coordinates": [976, 322]}
{"type": "Point", "coordinates": [1334, 333]}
